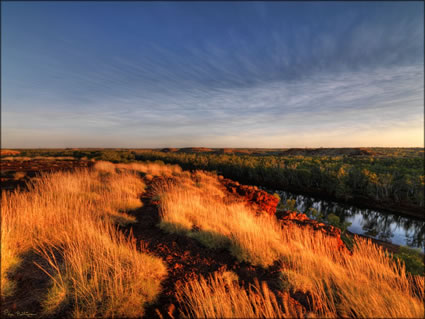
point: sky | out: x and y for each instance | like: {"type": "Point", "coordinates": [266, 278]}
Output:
{"type": "Point", "coordinates": [212, 74]}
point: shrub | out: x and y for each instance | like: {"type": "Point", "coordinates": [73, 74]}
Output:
{"type": "Point", "coordinates": [412, 259]}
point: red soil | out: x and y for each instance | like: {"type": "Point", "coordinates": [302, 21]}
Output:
{"type": "Point", "coordinates": [32, 167]}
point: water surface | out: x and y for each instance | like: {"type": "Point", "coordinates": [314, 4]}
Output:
{"type": "Point", "coordinates": [386, 226]}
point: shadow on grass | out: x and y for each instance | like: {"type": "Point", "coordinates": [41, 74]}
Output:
{"type": "Point", "coordinates": [31, 288]}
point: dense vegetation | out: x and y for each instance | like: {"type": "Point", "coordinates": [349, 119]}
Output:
{"type": "Point", "coordinates": [389, 180]}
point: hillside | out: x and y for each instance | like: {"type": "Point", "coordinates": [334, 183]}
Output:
{"type": "Point", "coordinates": [152, 240]}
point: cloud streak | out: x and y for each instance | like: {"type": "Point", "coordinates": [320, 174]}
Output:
{"type": "Point", "coordinates": [252, 84]}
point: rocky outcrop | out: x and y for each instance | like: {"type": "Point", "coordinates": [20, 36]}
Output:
{"type": "Point", "coordinates": [263, 201]}
{"type": "Point", "coordinates": [289, 217]}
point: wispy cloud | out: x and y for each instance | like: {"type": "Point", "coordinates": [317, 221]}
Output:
{"type": "Point", "coordinates": [275, 82]}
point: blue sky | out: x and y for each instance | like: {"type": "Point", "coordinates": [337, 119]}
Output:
{"type": "Point", "coordinates": [234, 74]}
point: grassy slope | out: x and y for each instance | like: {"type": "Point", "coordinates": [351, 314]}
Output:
{"type": "Point", "coordinates": [367, 284]}
{"type": "Point", "coordinates": [68, 219]}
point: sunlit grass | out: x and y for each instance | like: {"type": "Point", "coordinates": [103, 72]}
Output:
{"type": "Point", "coordinates": [221, 296]}
{"type": "Point", "coordinates": [367, 283]}
{"type": "Point", "coordinates": [197, 207]}
{"type": "Point", "coordinates": [69, 220]}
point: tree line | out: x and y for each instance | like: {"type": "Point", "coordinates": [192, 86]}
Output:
{"type": "Point", "coordinates": [389, 180]}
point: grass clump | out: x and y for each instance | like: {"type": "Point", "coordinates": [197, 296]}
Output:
{"type": "Point", "coordinates": [221, 296]}
{"type": "Point", "coordinates": [152, 168]}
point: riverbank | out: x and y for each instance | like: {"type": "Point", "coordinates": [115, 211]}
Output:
{"type": "Point", "coordinates": [386, 226]}
{"type": "Point", "coordinates": [366, 203]}
{"type": "Point", "coordinates": [390, 247]}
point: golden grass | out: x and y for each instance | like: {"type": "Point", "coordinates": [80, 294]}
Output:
{"type": "Point", "coordinates": [154, 169]}
{"type": "Point", "coordinates": [367, 284]}
{"type": "Point", "coordinates": [221, 296]}
{"type": "Point", "coordinates": [16, 158]}
{"type": "Point", "coordinates": [68, 219]}
{"type": "Point", "coordinates": [197, 207]}
{"type": "Point", "coordinates": [151, 169]}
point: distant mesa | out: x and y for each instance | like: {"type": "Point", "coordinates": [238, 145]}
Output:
{"type": "Point", "coordinates": [169, 150]}
{"type": "Point", "coordinates": [206, 150]}
{"type": "Point", "coordinates": [232, 151]}
{"type": "Point", "coordinates": [328, 152]}
{"type": "Point", "coordinates": [195, 150]}
{"type": "Point", "coordinates": [224, 151]}
{"type": "Point", "coordinates": [353, 151]}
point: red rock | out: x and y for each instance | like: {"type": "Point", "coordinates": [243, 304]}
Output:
{"type": "Point", "coordinates": [259, 199]}
{"type": "Point", "coordinates": [289, 217]}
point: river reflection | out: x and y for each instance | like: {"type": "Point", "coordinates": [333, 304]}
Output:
{"type": "Point", "coordinates": [385, 226]}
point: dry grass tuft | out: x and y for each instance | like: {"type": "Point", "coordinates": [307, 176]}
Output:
{"type": "Point", "coordinates": [149, 169]}
{"type": "Point", "coordinates": [221, 296]}
{"type": "Point", "coordinates": [153, 169]}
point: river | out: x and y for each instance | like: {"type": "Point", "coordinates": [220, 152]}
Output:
{"type": "Point", "coordinates": [382, 225]}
